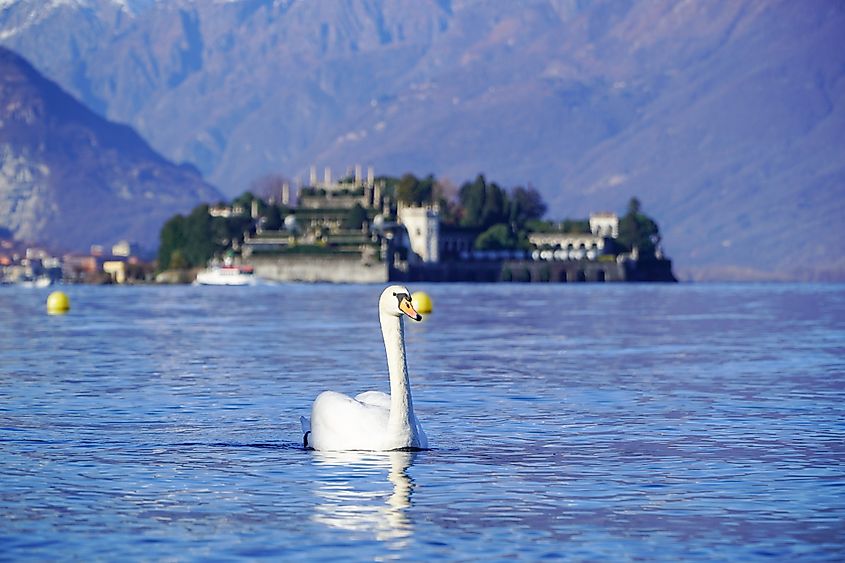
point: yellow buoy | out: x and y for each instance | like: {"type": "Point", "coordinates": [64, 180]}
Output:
{"type": "Point", "coordinates": [58, 303]}
{"type": "Point", "coordinates": [421, 302]}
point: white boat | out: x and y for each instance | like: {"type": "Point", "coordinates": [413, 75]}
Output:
{"type": "Point", "coordinates": [40, 282]}
{"type": "Point", "coordinates": [226, 275]}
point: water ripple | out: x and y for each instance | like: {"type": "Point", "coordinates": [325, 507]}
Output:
{"type": "Point", "coordinates": [616, 422]}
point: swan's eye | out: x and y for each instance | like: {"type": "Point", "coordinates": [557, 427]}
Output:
{"type": "Point", "coordinates": [401, 297]}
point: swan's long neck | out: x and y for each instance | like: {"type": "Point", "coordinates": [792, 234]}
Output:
{"type": "Point", "coordinates": [401, 404]}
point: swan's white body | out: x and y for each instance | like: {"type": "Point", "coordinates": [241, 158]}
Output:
{"type": "Point", "coordinates": [372, 420]}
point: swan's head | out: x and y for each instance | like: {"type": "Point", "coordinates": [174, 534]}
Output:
{"type": "Point", "coordinates": [396, 301]}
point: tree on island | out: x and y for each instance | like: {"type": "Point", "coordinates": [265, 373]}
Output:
{"type": "Point", "coordinates": [186, 241]}
{"type": "Point", "coordinates": [501, 237]}
{"type": "Point", "coordinates": [355, 217]}
{"type": "Point", "coordinates": [637, 229]}
{"type": "Point", "coordinates": [171, 242]}
{"type": "Point", "coordinates": [570, 226]}
{"type": "Point", "coordinates": [413, 191]}
{"type": "Point", "coordinates": [446, 198]}
{"type": "Point", "coordinates": [190, 242]}
{"type": "Point", "coordinates": [526, 205]}
{"type": "Point", "coordinates": [271, 219]}
{"type": "Point", "coordinates": [485, 205]}
{"type": "Point", "coordinates": [502, 215]}
{"type": "Point", "coordinates": [473, 197]}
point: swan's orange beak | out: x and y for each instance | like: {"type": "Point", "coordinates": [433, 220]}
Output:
{"type": "Point", "coordinates": [406, 307]}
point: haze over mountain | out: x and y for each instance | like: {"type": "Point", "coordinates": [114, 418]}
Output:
{"type": "Point", "coordinates": [724, 117]}
{"type": "Point", "coordinates": [70, 179]}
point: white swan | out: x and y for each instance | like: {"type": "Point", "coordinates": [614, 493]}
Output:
{"type": "Point", "coordinates": [372, 420]}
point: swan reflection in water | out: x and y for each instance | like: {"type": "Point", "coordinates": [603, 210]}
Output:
{"type": "Point", "coordinates": [353, 496]}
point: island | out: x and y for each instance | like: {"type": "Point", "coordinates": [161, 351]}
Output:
{"type": "Point", "coordinates": [368, 229]}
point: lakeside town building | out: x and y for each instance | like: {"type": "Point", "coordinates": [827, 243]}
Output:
{"type": "Point", "coordinates": [37, 267]}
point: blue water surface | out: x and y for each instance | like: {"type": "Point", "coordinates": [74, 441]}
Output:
{"type": "Point", "coordinates": [584, 422]}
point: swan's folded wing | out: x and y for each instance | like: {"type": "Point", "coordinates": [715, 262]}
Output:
{"type": "Point", "coordinates": [340, 422]}
{"type": "Point", "coordinates": [374, 398]}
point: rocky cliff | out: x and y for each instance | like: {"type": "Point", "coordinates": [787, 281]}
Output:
{"type": "Point", "coordinates": [70, 179]}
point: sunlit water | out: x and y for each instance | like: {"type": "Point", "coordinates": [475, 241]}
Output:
{"type": "Point", "coordinates": [574, 421]}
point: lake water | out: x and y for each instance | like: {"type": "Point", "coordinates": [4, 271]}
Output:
{"type": "Point", "coordinates": [586, 422]}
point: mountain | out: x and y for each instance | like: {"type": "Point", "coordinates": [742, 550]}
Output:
{"type": "Point", "coordinates": [70, 179]}
{"type": "Point", "coordinates": [724, 117]}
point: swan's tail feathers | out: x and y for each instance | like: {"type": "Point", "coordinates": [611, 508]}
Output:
{"type": "Point", "coordinates": [306, 430]}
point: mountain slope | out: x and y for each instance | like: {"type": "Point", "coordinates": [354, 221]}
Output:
{"type": "Point", "coordinates": [70, 179]}
{"type": "Point", "coordinates": [724, 117]}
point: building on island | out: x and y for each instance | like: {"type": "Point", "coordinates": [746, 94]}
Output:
{"type": "Point", "coordinates": [422, 225]}
{"type": "Point", "coordinates": [352, 229]}
{"type": "Point", "coordinates": [604, 227]}
{"type": "Point", "coordinates": [337, 232]}
{"type": "Point", "coordinates": [226, 211]}
{"type": "Point", "coordinates": [604, 224]}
